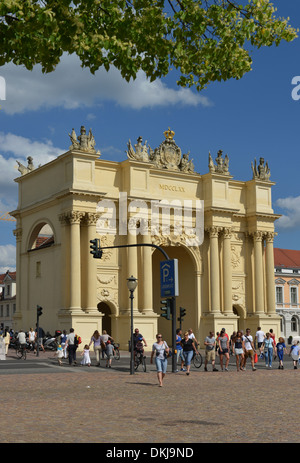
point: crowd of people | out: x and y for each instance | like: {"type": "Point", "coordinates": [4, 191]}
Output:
{"type": "Point", "coordinates": [243, 347]}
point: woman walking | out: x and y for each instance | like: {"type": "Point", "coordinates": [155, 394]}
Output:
{"type": "Point", "coordinates": [268, 346]}
{"type": "Point", "coordinates": [161, 350]}
{"type": "Point", "coordinates": [188, 350]}
{"type": "Point", "coordinates": [238, 349]}
{"type": "Point", "coordinates": [96, 339]}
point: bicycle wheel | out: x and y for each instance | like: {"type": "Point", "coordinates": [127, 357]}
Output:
{"type": "Point", "coordinates": [197, 360]}
{"type": "Point", "coordinates": [117, 354]}
{"type": "Point", "coordinates": [19, 353]}
{"type": "Point", "coordinates": [24, 354]}
{"type": "Point", "coordinates": [136, 363]}
{"type": "Point", "coordinates": [144, 363]}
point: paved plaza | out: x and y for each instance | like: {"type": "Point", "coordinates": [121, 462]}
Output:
{"type": "Point", "coordinates": [85, 405]}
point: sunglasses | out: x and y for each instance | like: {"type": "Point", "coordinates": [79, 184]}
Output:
{"type": "Point", "coordinates": [159, 336]}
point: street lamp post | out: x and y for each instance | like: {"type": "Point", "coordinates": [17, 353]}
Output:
{"type": "Point", "coordinates": [131, 285]}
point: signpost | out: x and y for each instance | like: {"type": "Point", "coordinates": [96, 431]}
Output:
{"type": "Point", "coordinates": [169, 288]}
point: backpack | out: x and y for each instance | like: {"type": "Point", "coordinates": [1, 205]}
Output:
{"type": "Point", "coordinates": [77, 340]}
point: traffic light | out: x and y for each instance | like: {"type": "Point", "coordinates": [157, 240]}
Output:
{"type": "Point", "coordinates": [182, 312]}
{"type": "Point", "coordinates": [166, 309]}
{"type": "Point", "coordinates": [95, 249]}
{"type": "Point", "coordinates": [39, 310]}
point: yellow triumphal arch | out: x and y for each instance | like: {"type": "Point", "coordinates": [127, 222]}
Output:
{"type": "Point", "coordinates": [220, 229]}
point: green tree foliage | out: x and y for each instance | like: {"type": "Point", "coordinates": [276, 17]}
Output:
{"type": "Point", "coordinates": [205, 40]}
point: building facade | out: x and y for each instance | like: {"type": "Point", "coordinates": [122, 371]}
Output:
{"type": "Point", "coordinates": [226, 261]}
{"type": "Point", "coordinates": [287, 281]}
{"type": "Point", "coordinates": [7, 299]}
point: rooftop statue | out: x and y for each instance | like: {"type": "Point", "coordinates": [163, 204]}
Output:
{"type": "Point", "coordinates": [141, 151]}
{"type": "Point", "coordinates": [221, 166]}
{"type": "Point", "coordinates": [23, 169]}
{"type": "Point", "coordinates": [261, 171]}
{"type": "Point", "coordinates": [83, 142]}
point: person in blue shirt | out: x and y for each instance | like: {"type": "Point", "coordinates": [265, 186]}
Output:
{"type": "Point", "coordinates": [179, 348]}
{"type": "Point", "coordinates": [281, 349]}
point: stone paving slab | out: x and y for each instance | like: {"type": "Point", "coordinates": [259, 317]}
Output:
{"type": "Point", "coordinates": [114, 407]}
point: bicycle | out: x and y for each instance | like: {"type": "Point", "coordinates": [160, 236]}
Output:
{"type": "Point", "coordinates": [197, 358]}
{"type": "Point", "coordinates": [21, 351]}
{"type": "Point", "coordinates": [140, 359]}
{"type": "Point", "coordinates": [117, 351]}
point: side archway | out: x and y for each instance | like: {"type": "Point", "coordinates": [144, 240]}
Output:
{"type": "Point", "coordinates": [41, 236]}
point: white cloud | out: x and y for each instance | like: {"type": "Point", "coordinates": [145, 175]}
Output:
{"type": "Point", "coordinates": [7, 258]}
{"type": "Point", "coordinates": [71, 87]}
{"type": "Point", "coordinates": [19, 148]}
{"type": "Point", "coordinates": [291, 218]}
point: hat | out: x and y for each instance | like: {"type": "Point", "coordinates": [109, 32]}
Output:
{"type": "Point", "coordinates": [223, 329]}
{"type": "Point", "coordinates": [108, 342]}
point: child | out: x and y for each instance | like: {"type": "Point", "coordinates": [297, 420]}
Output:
{"type": "Point", "coordinates": [86, 356]}
{"type": "Point", "coordinates": [59, 354]}
{"type": "Point", "coordinates": [294, 352]}
{"type": "Point", "coordinates": [109, 353]}
{"type": "Point", "coordinates": [281, 349]}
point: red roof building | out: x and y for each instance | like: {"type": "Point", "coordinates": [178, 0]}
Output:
{"type": "Point", "coordinates": [287, 286]}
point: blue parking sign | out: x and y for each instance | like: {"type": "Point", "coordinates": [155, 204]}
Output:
{"type": "Point", "coordinates": [169, 278]}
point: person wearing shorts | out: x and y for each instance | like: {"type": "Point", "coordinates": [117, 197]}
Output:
{"type": "Point", "coordinates": [210, 352]}
{"type": "Point", "coordinates": [249, 349]}
{"type": "Point", "coordinates": [160, 348]}
{"type": "Point", "coordinates": [238, 350]}
{"type": "Point", "coordinates": [224, 349]}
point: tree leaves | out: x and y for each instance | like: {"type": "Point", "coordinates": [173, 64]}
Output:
{"type": "Point", "coordinates": [204, 40]}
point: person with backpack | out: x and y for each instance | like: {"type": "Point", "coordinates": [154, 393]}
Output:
{"type": "Point", "coordinates": [71, 345]}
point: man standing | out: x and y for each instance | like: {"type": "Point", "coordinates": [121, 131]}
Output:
{"type": "Point", "coordinates": [249, 349]}
{"type": "Point", "coordinates": [210, 351]}
{"type": "Point", "coordinates": [259, 337]}
{"type": "Point", "coordinates": [70, 344]}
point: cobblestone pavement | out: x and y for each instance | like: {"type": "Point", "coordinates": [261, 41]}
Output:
{"type": "Point", "coordinates": [102, 405]}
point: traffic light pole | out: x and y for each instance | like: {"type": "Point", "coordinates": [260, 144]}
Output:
{"type": "Point", "coordinates": [174, 356]}
{"type": "Point", "coordinates": [37, 335]}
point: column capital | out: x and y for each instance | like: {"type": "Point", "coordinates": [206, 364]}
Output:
{"type": "Point", "coordinates": [213, 231]}
{"type": "Point", "coordinates": [91, 218]}
{"type": "Point", "coordinates": [75, 217]}
{"type": "Point", "coordinates": [257, 235]}
{"type": "Point", "coordinates": [18, 232]}
{"type": "Point", "coordinates": [227, 232]}
{"type": "Point", "coordinates": [269, 236]}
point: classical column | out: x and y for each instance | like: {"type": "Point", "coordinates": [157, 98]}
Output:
{"type": "Point", "coordinates": [132, 262]}
{"type": "Point", "coordinates": [214, 269]}
{"type": "Point", "coordinates": [91, 290]}
{"type": "Point", "coordinates": [227, 271]}
{"type": "Point", "coordinates": [75, 270]}
{"type": "Point", "coordinates": [18, 232]}
{"type": "Point", "coordinates": [65, 253]}
{"type": "Point", "coordinates": [270, 282]}
{"type": "Point", "coordinates": [147, 302]}
{"type": "Point", "coordinates": [258, 272]}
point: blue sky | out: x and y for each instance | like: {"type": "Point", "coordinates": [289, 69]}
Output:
{"type": "Point", "coordinates": [255, 116]}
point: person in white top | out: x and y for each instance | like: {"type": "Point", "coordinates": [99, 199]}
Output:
{"type": "Point", "coordinates": [249, 349]}
{"type": "Point", "coordinates": [192, 336]}
{"type": "Point", "coordinates": [31, 338]}
{"type": "Point", "coordinates": [259, 337]}
{"type": "Point", "coordinates": [21, 337]}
